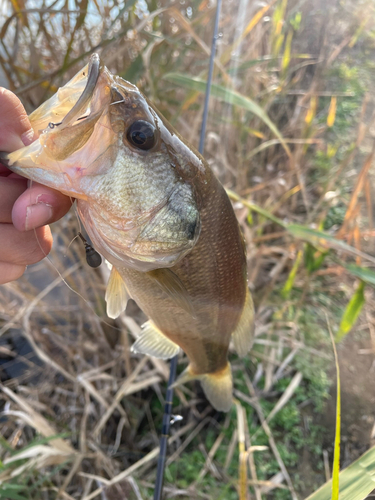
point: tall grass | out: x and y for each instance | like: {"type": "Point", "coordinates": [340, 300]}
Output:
{"type": "Point", "coordinates": [290, 135]}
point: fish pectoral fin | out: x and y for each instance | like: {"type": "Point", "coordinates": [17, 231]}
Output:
{"type": "Point", "coordinates": [171, 284]}
{"type": "Point", "coordinates": [217, 386]}
{"type": "Point", "coordinates": [116, 295]}
{"type": "Point", "coordinates": [243, 335]}
{"type": "Point", "coordinates": [153, 342]}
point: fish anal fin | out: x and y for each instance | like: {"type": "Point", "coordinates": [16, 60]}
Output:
{"type": "Point", "coordinates": [217, 386]}
{"type": "Point", "coordinates": [171, 284]}
{"type": "Point", "coordinates": [243, 335]}
{"type": "Point", "coordinates": [153, 342]}
{"type": "Point", "coordinates": [116, 294]}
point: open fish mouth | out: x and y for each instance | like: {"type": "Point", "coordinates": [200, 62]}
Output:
{"type": "Point", "coordinates": [54, 122]}
{"type": "Point", "coordinates": [69, 103]}
{"type": "Point", "coordinates": [75, 136]}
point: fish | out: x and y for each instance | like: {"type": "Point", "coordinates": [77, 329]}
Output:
{"type": "Point", "coordinates": [154, 209]}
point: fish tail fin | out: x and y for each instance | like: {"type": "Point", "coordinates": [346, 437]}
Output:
{"type": "Point", "coordinates": [217, 386]}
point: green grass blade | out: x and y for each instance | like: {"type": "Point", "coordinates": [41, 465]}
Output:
{"type": "Point", "coordinates": [351, 312]}
{"type": "Point", "coordinates": [365, 274]}
{"type": "Point", "coordinates": [256, 208]}
{"type": "Point", "coordinates": [12, 492]}
{"type": "Point", "coordinates": [229, 96]}
{"type": "Point", "coordinates": [286, 57]}
{"type": "Point", "coordinates": [285, 292]}
{"type": "Point", "coordinates": [356, 481]}
{"type": "Point", "coordinates": [313, 258]}
{"type": "Point", "coordinates": [319, 239]}
{"type": "Point", "coordinates": [322, 240]}
{"type": "Point", "coordinates": [336, 455]}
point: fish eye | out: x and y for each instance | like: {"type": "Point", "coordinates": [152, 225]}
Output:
{"type": "Point", "coordinates": [141, 134]}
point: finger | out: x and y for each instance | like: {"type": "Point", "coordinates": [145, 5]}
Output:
{"type": "Point", "coordinates": [15, 127]}
{"type": "Point", "coordinates": [10, 272]}
{"type": "Point", "coordinates": [37, 206]}
{"type": "Point", "coordinates": [5, 172]}
{"type": "Point", "coordinates": [10, 190]}
{"type": "Point", "coordinates": [24, 248]}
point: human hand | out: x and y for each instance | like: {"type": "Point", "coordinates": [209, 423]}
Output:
{"type": "Point", "coordinates": [24, 211]}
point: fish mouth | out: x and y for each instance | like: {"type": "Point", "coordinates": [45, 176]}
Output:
{"type": "Point", "coordinates": [64, 123]}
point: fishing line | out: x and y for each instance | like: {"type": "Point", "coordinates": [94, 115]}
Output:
{"type": "Point", "coordinates": [67, 248]}
{"type": "Point", "coordinates": [173, 367]}
{"type": "Point", "coordinates": [46, 256]}
{"type": "Point", "coordinates": [53, 125]}
{"type": "Point", "coordinates": [117, 102]}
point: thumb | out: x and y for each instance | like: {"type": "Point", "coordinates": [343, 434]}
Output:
{"type": "Point", "coordinates": [15, 127]}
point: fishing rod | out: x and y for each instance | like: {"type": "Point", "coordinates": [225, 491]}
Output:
{"type": "Point", "coordinates": [173, 367]}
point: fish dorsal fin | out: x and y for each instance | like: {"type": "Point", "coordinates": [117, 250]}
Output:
{"type": "Point", "coordinates": [243, 335]}
{"type": "Point", "coordinates": [116, 295]}
{"type": "Point", "coordinates": [153, 342]}
{"type": "Point", "coordinates": [171, 284]}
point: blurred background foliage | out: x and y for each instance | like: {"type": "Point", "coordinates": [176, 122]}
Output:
{"type": "Point", "coordinates": [291, 135]}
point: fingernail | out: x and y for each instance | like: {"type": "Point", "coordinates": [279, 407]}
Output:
{"type": "Point", "coordinates": [28, 137]}
{"type": "Point", "coordinates": [37, 215]}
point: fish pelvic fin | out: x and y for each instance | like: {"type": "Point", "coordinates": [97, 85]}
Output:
{"type": "Point", "coordinates": [217, 386]}
{"type": "Point", "coordinates": [116, 295]}
{"type": "Point", "coordinates": [243, 335]}
{"type": "Point", "coordinates": [153, 342]}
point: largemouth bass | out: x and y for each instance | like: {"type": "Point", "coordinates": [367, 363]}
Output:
{"type": "Point", "coordinates": [154, 209]}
